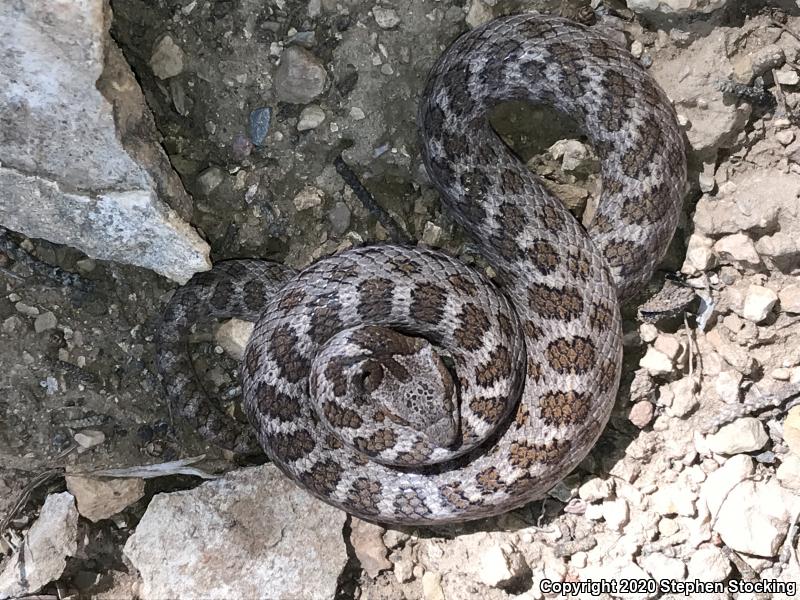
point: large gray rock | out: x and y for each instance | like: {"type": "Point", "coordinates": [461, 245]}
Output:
{"type": "Point", "coordinates": [43, 556]}
{"type": "Point", "coordinates": [79, 159]}
{"type": "Point", "coordinates": [251, 534]}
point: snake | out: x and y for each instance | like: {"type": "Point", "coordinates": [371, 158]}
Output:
{"type": "Point", "coordinates": [405, 387]}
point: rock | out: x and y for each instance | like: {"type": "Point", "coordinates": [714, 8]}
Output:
{"type": "Point", "coordinates": [789, 298]}
{"type": "Point", "coordinates": [386, 18]}
{"type": "Point", "coordinates": [233, 336]}
{"type": "Point", "coordinates": [259, 122]}
{"type": "Point", "coordinates": [595, 489]}
{"type": "Point", "coordinates": [210, 179]}
{"type": "Point", "coordinates": [641, 413]}
{"type": "Point", "coordinates": [656, 363]}
{"type": "Point", "coordinates": [684, 399]}
{"type": "Point", "coordinates": [709, 564]}
{"type": "Point", "coordinates": [743, 435]}
{"type": "Point", "coordinates": [45, 322]}
{"type": "Point", "coordinates": [49, 542]}
{"type": "Point", "coordinates": [404, 571]}
{"type": "Point", "coordinates": [81, 146]}
{"type": "Point", "coordinates": [728, 386]}
{"type": "Point", "coordinates": [765, 508]}
{"type": "Point", "coordinates": [787, 76]}
{"type": "Point", "coordinates": [478, 14]}
{"type": "Point", "coordinates": [615, 513]}
{"type": "Point", "coordinates": [573, 154]}
{"type": "Point", "coordinates": [662, 8]}
{"type": "Point", "coordinates": [786, 136]}
{"type": "Point", "coordinates": [308, 197]}
{"type": "Point", "coordinates": [674, 499]}
{"type": "Point", "coordinates": [782, 248]}
{"type": "Point", "coordinates": [432, 234]}
{"type": "Point", "coordinates": [753, 202]}
{"type": "Point", "coordinates": [339, 216]}
{"type": "Point", "coordinates": [249, 531]}
{"type": "Point", "coordinates": [167, 58]}
{"type": "Point", "coordinates": [501, 566]}
{"type": "Point", "coordinates": [103, 498]}
{"type": "Point", "coordinates": [788, 472]}
{"type": "Point", "coordinates": [12, 324]}
{"type": "Point", "coordinates": [791, 429]}
{"type": "Point", "coordinates": [311, 117]}
{"type": "Point", "coordinates": [661, 566]}
{"type": "Point", "coordinates": [736, 356]}
{"type": "Point", "coordinates": [29, 311]}
{"type": "Point", "coordinates": [367, 540]}
{"type": "Point", "coordinates": [394, 538]}
{"type": "Point", "coordinates": [719, 483]}
{"type": "Point", "coordinates": [699, 255]}
{"type": "Point", "coordinates": [300, 77]}
{"type": "Point", "coordinates": [357, 113]}
{"type": "Point", "coordinates": [738, 250]}
{"type": "Point", "coordinates": [669, 345]}
{"type": "Point", "coordinates": [748, 66]}
{"type": "Point", "coordinates": [432, 586]}
{"type": "Point", "coordinates": [89, 438]}
{"type": "Point", "coordinates": [758, 303]}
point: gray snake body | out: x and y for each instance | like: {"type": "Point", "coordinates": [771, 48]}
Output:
{"type": "Point", "coordinates": [404, 387]}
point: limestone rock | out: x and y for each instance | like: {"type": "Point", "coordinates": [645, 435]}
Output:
{"type": "Point", "coordinates": [367, 540]}
{"type": "Point", "coordinates": [709, 564]}
{"type": "Point", "coordinates": [765, 508]}
{"type": "Point", "coordinates": [789, 298]}
{"type": "Point", "coordinates": [249, 532]}
{"type": "Point", "coordinates": [758, 303]}
{"type": "Point", "coordinates": [81, 159]}
{"type": "Point", "coordinates": [791, 429]}
{"type": "Point", "coordinates": [743, 435]}
{"type": "Point", "coordinates": [102, 498]}
{"type": "Point", "coordinates": [738, 250]}
{"type": "Point", "coordinates": [661, 566]}
{"type": "Point", "coordinates": [719, 483]}
{"type": "Point", "coordinates": [501, 566]}
{"type": "Point", "coordinates": [789, 472]}
{"type": "Point", "coordinates": [48, 543]}
{"type": "Point", "coordinates": [662, 8]}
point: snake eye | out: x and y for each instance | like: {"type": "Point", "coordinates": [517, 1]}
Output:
{"type": "Point", "coordinates": [370, 377]}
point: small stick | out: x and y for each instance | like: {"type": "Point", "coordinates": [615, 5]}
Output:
{"type": "Point", "coordinates": [351, 179]}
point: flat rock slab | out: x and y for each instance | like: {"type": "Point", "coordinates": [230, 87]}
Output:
{"type": "Point", "coordinates": [80, 162]}
{"type": "Point", "coordinates": [43, 555]}
{"type": "Point", "coordinates": [251, 534]}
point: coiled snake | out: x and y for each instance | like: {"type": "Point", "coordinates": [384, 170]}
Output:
{"type": "Point", "coordinates": [404, 387]}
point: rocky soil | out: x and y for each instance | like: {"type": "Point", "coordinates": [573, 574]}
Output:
{"type": "Point", "coordinates": [103, 495]}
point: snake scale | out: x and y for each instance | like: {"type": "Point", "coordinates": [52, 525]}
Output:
{"type": "Point", "coordinates": [404, 387]}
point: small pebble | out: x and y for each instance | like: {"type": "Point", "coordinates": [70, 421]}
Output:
{"type": "Point", "coordinates": [167, 58]}
{"type": "Point", "coordinates": [311, 117]}
{"type": "Point", "coordinates": [386, 18]}
{"type": "Point", "coordinates": [259, 125]}
{"type": "Point", "coordinates": [44, 322]}
{"type": "Point", "coordinates": [30, 311]}
{"type": "Point", "coordinates": [758, 303]}
{"type": "Point", "coordinates": [210, 179]}
{"type": "Point", "coordinates": [88, 438]}
{"type": "Point", "coordinates": [339, 216]}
